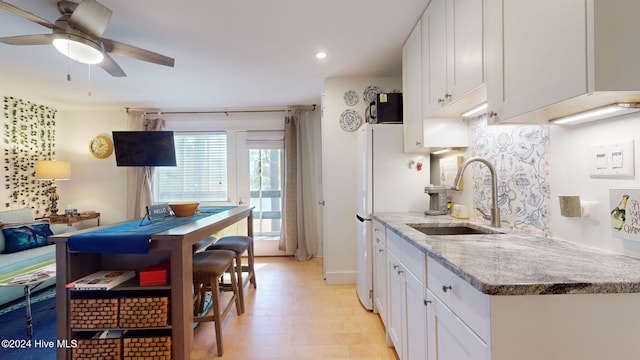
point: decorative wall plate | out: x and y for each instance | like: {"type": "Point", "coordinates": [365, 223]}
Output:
{"type": "Point", "coordinates": [350, 120]}
{"type": "Point", "coordinates": [350, 98]}
{"type": "Point", "coordinates": [370, 93]}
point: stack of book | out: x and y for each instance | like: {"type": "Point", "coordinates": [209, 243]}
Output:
{"type": "Point", "coordinates": [101, 280]}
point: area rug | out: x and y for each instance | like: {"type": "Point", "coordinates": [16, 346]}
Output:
{"type": "Point", "coordinates": [13, 334]}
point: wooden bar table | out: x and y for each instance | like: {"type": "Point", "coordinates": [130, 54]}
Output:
{"type": "Point", "coordinates": [177, 242]}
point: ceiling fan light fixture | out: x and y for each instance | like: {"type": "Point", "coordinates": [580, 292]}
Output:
{"type": "Point", "coordinates": [78, 48]}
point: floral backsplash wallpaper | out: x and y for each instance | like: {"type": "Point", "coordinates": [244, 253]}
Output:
{"type": "Point", "coordinates": [519, 154]}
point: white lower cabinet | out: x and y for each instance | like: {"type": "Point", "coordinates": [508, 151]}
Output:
{"type": "Point", "coordinates": [380, 271]}
{"type": "Point", "coordinates": [395, 304]}
{"type": "Point", "coordinates": [449, 338]}
{"type": "Point", "coordinates": [407, 318]}
{"type": "Point", "coordinates": [416, 315]}
{"type": "Point", "coordinates": [441, 323]}
{"type": "Point", "coordinates": [434, 314]}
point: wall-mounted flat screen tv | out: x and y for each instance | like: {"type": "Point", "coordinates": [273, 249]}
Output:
{"type": "Point", "coordinates": [144, 148]}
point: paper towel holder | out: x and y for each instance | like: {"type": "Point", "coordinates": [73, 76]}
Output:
{"type": "Point", "coordinates": [573, 206]}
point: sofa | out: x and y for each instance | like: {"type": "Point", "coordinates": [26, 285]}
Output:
{"type": "Point", "coordinates": [23, 258]}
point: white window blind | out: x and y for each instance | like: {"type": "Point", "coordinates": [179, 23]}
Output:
{"type": "Point", "coordinates": [201, 171]}
{"type": "Point", "coordinates": [265, 140]}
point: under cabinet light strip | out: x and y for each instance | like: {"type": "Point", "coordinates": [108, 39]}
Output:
{"type": "Point", "coordinates": [598, 113]}
{"type": "Point", "coordinates": [478, 110]}
{"type": "Point", "coordinates": [441, 151]}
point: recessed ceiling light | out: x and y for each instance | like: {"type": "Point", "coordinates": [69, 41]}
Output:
{"type": "Point", "coordinates": [321, 55]}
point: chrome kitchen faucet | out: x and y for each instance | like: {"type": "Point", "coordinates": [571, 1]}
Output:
{"type": "Point", "coordinates": [495, 211]}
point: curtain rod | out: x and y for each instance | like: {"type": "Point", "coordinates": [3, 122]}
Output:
{"type": "Point", "coordinates": [226, 112]}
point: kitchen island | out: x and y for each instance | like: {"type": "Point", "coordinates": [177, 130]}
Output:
{"type": "Point", "coordinates": [173, 245]}
{"type": "Point", "coordinates": [516, 296]}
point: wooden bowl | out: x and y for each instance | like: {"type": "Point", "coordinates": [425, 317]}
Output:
{"type": "Point", "coordinates": [184, 209]}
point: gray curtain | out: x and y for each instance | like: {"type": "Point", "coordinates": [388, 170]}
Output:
{"type": "Point", "coordinates": [300, 233]}
{"type": "Point", "coordinates": [140, 179]}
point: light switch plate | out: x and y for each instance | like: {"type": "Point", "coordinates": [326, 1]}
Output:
{"type": "Point", "coordinates": [611, 160]}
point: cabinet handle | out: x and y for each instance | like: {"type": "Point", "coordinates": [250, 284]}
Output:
{"type": "Point", "coordinates": [441, 101]}
{"type": "Point", "coordinates": [446, 288]}
{"type": "Point", "coordinates": [400, 272]}
{"type": "Point", "coordinates": [427, 302]}
{"type": "Point", "coordinates": [493, 114]}
{"type": "Point", "coordinates": [447, 96]}
{"type": "Point", "coordinates": [380, 250]}
{"type": "Point", "coordinates": [418, 143]}
{"type": "Point", "coordinates": [395, 266]}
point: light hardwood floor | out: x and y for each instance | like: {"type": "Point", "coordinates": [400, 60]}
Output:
{"type": "Point", "coordinates": [293, 314]}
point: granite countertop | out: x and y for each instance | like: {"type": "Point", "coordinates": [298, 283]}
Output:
{"type": "Point", "coordinates": [515, 263]}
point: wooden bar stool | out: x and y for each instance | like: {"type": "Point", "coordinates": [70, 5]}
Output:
{"type": "Point", "coordinates": [208, 268]}
{"type": "Point", "coordinates": [202, 244]}
{"type": "Point", "coordinates": [239, 244]}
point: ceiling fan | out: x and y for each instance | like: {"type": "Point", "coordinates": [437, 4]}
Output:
{"type": "Point", "coordinates": [78, 35]}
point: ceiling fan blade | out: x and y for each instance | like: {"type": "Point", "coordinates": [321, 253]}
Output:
{"type": "Point", "coordinates": [42, 39]}
{"type": "Point", "coordinates": [109, 65]}
{"type": "Point", "coordinates": [91, 16]}
{"type": "Point", "coordinates": [118, 48]}
{"type": "Point", "coordinates": [27, 15]}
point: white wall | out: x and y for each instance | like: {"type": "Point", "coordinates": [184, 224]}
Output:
{"type": "Point", "coordinates": [570, 176]}
{"type": "Point", "coordinates": [339, 175]}
{"type": "Point", "coordinates": [96, 184]}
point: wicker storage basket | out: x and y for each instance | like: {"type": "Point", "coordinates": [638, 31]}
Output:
{"type": "Point", "coordinates": [105, 349]}
{"type": "Point", "coordinates": [144, 312]}
{"type": "Point", "coordinates": [94, 313]}
{"type": "Point", "coordinates": [147, 348]}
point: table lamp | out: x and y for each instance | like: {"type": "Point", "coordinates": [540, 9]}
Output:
{"type": "Point", "coordinates": [53, 170]}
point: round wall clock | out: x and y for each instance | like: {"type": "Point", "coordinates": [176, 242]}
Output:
{"type": "Point", "coordinates": [101, 147]}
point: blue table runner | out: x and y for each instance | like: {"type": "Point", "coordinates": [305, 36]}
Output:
{"type": "Point", "coordinates": [133, 237]}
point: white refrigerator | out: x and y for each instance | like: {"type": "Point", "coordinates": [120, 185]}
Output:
{"type": "Point", "coordinates": [388, 180]}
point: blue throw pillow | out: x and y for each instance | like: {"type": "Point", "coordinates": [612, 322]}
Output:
{"type": "Point", "coordinates": [19, 237]}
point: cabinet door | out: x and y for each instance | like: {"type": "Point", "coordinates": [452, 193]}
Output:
{"type": "Point", "coordinates": [434, 57]}
{"type": "Point", "coordinates": [412, 91]}
{"type": "Point", "coordinates": [465, 47]}
{"type": "Point", "coordinates": [448, 337]}
{"type": "Point", "coordinates": [416, 318]}
{"type": "Point", "coordinates": [396, 305]}
{"type": "Point", "coordinates": [536, 54]}
{"type": "Point", "coordinates": [380, 281]}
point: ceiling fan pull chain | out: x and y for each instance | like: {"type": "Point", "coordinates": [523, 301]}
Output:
{"type": "Point", "coordinates": [89, 66]}
{"type": "Point", "coordinates": [68, 67]}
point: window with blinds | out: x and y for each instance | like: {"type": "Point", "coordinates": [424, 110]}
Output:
{"type": "Point", "coordinates": [201, 171]}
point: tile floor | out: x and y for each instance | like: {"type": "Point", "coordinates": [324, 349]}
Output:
{"type": "Point", "coordinates": [294, 315]}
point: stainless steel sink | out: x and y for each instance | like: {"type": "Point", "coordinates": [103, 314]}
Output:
{"type": "Point", "coordinates": [452, 229]}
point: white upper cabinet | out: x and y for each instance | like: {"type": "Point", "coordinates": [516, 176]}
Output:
{"type": "Point", "coordinates": [453, 57]}
{"type": "Point", "coordinates": [434, 54]}
{"type": "Point", "coordinates": [412, 92]}
{"type": "Point", "coordinates": [549, 58]}
{"type": "Point", "coordinates": [421, 135]}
